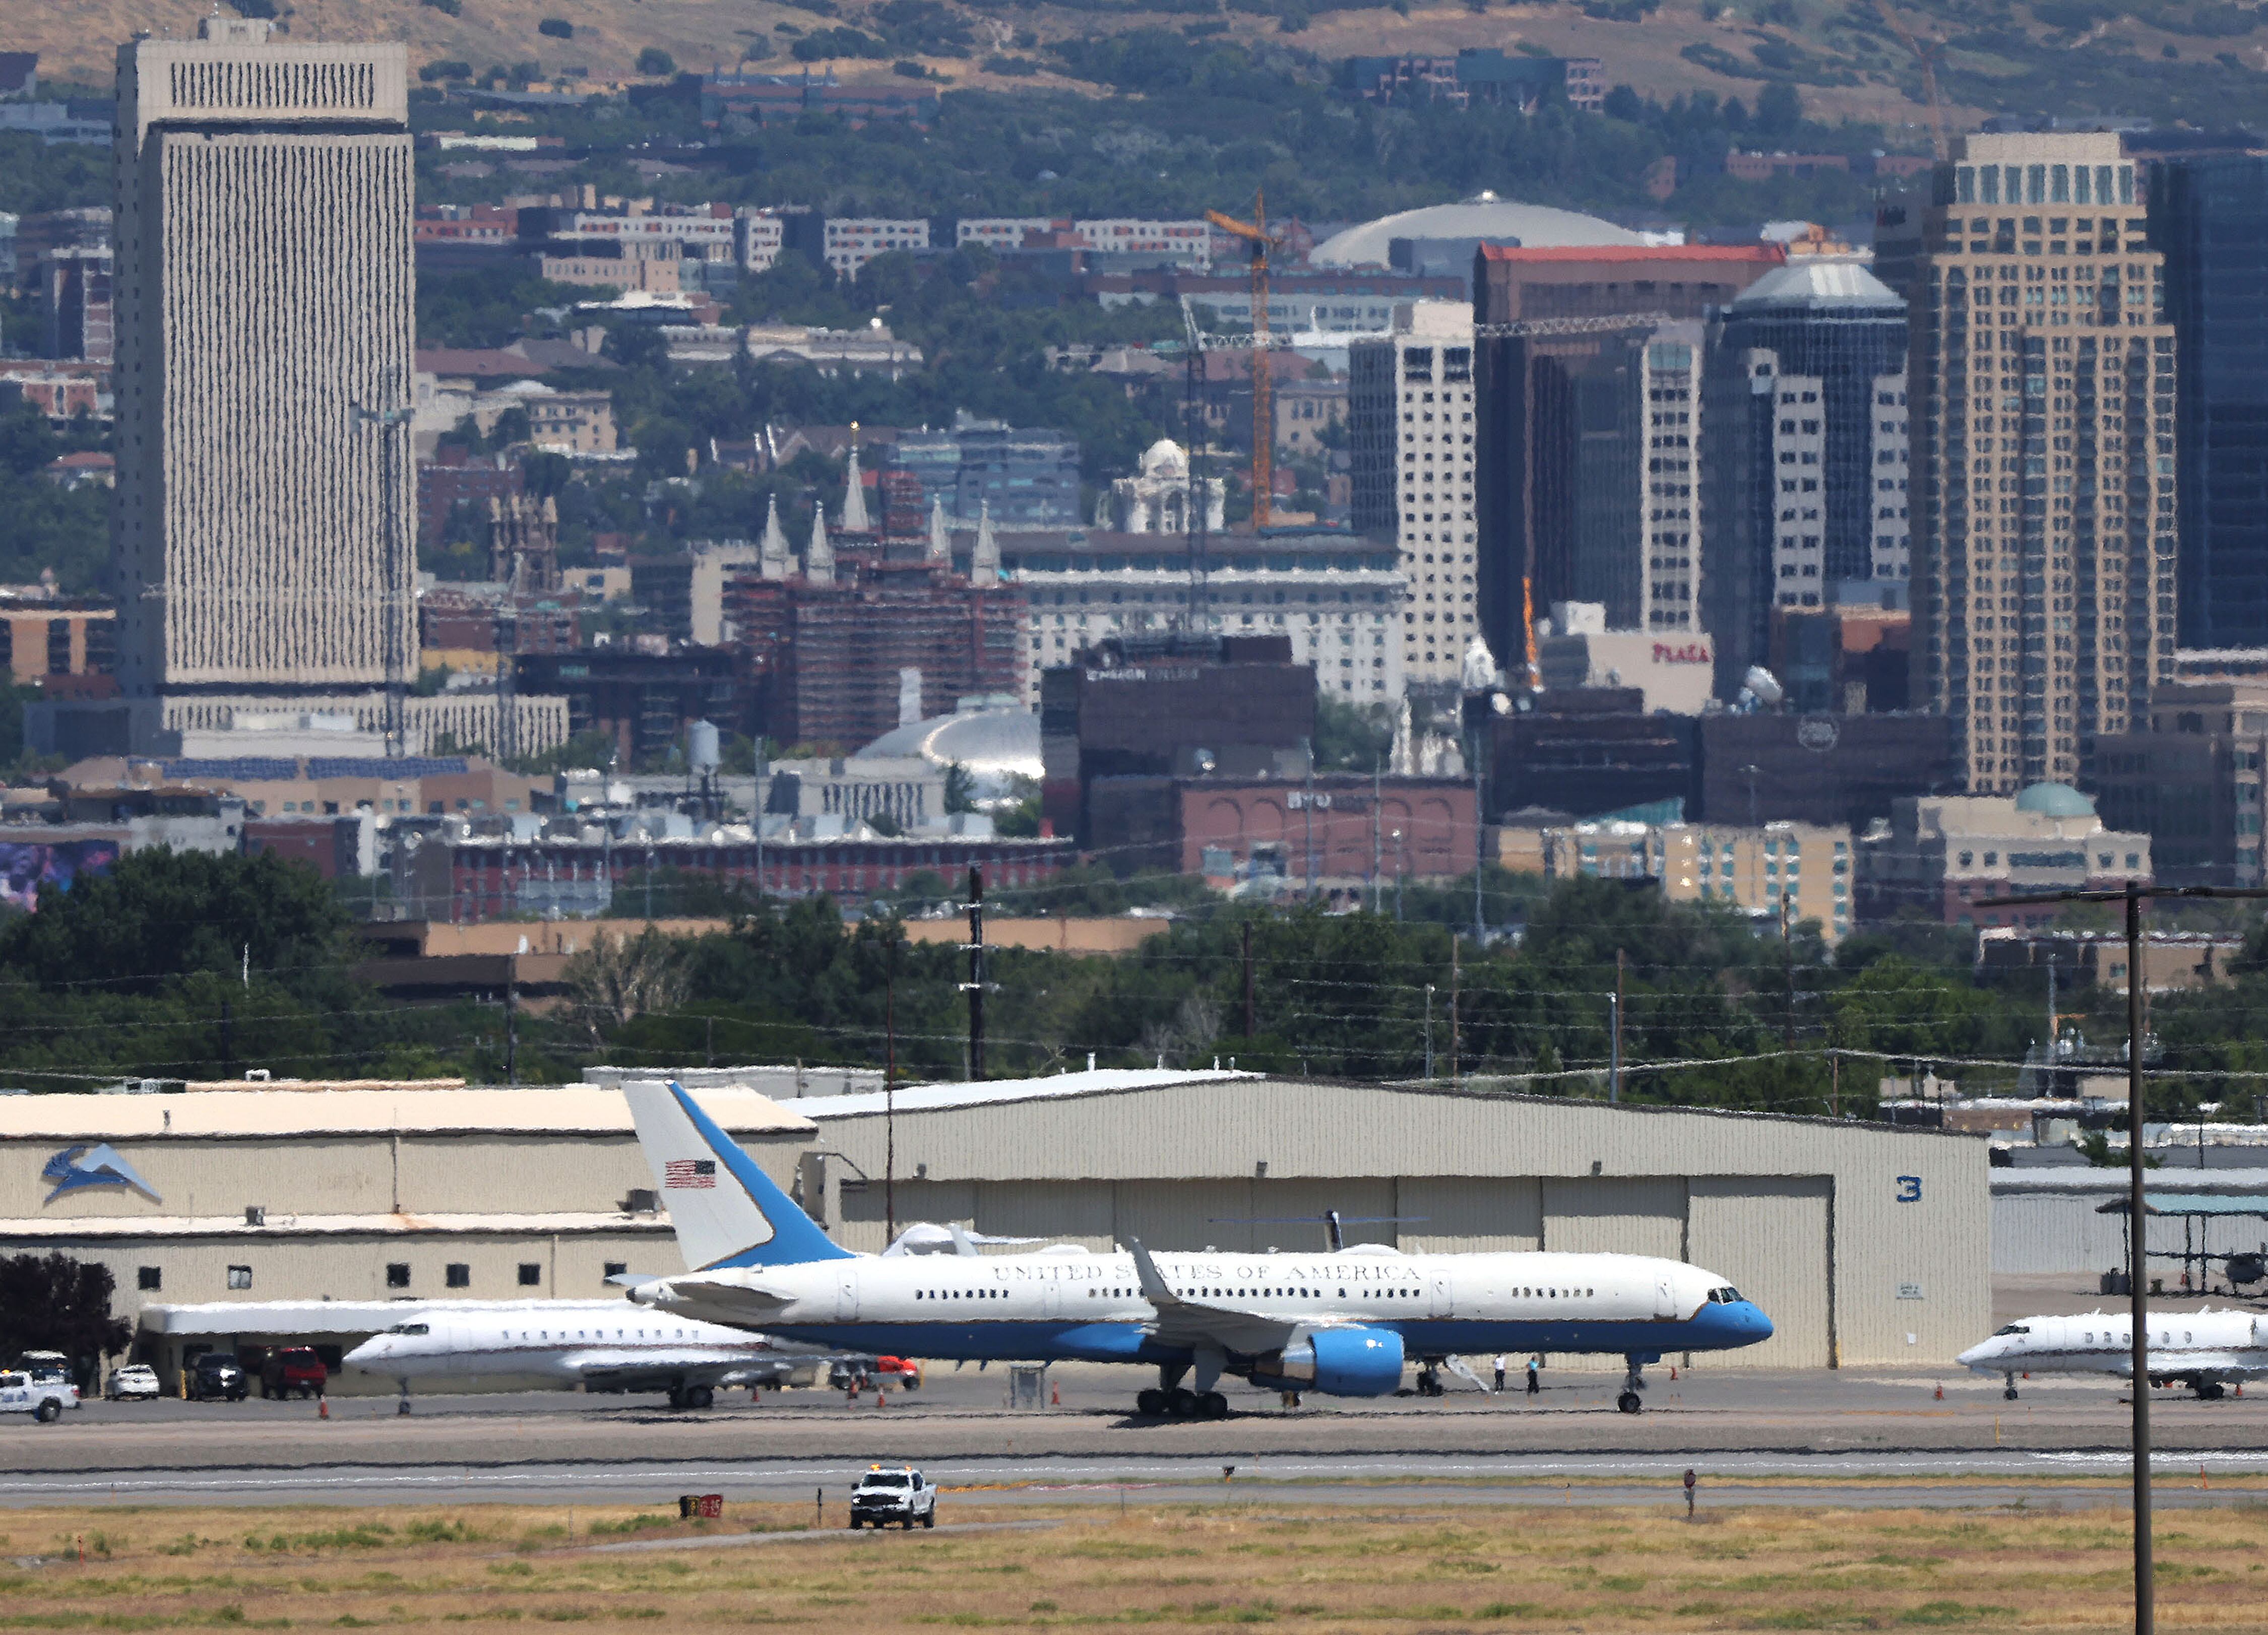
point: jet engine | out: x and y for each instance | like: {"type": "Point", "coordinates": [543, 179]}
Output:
{"type": "Point", "coordinates": [1338, 1363]}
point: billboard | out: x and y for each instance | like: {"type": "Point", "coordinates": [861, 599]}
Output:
{"type": "Point", "coordinates": [29, 868]}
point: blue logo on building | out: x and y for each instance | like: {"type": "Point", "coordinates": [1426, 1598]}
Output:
{"type": "Point", "coordinates": [77, 1167]}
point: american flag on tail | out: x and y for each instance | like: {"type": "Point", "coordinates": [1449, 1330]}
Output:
{"type": "Point", "coordinates": [682, 1172]}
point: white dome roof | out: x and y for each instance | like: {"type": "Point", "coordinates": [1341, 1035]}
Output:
{"type": "Point", "coordinates": [1812, 282]}
{"type": "Point", "coordinates": [994, 745]}
{"type": "Point", "coordinates": [1165, 458]}
{"type": "Point", "coordinates": [1485, 215]}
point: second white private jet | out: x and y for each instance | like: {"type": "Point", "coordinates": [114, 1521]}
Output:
{"type": "Point", "coordinates": [601, 1346]}
{"type": "Point", "coordinates": [2205, 1351]}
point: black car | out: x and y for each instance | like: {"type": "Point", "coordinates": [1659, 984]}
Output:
{"type": "Point", "coordinates": [217, 1374]}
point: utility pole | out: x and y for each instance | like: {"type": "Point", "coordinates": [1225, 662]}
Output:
{"type": "Point", "coordinates": [389, 421]}
{"type": "Point", "coordinates": [890, 1109]}
{"type": "Point", "coordinates": [1399, 858]}
{"type": "Point", "coordinates": [1452, 1008]}
{"type": "Point", "coordinates": [1377, 840]}
{"type": "Point", "coordinates": [1310, 807]}
{"type": "Point", "coordinates": [1250, 1030]}
{"type": "Point", "coordinates": [1480, 844]}
{"type": "Point", "coordinates": [975, 985]}
{"type": "Point", "coordinates": [2131, 897]}
{"type": "Point", "coordinates": [512, 1020]}
{"type": "Point", "coordinates": [1615, 1051]}
{"type": "Point", "coordinates": [1429, 1033]}
{"type": "Point", "coordinates": [1787, 961]}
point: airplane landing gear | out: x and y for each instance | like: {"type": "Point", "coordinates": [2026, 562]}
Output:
{"type": "Point", "coordinates": [1633, 1382]}
{"type": "Point", "coordinates": [403, 1407]}
{"type": "Point", "coordinates": [1429, 1379]}
{"type": "Point", "coordinates": [2208, 1390]}
{"type": "Point", "coordinates": [1175, 1403]}
{"type": "Point", "coordinates": [2010, 1394]}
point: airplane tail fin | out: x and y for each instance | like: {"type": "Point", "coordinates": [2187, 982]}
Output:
{"type": "Point", "coordinates": [726, 1211]}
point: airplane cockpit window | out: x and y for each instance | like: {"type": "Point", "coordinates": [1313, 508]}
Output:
{"type": "Point", "coordinates": [2014, 1328]}
{"type": "Point", "coordinates": [410, 1328]}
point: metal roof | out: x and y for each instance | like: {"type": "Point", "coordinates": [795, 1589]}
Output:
{"type": "Point", "coordinates": [289, 1108]}
{"type": "Point", "coordinates": [279, 1226]}
{"type": "Point", "coordinates": [2189, 1203]}
{"type": "Point", "coordinates": [329, 1317]}
{"type": "Point", "coordinates": [1816, 284]}
{"type": "Point", "coordinates": [2090, 1179]}
{"type": "Point", "coordinates": [937, 1097]}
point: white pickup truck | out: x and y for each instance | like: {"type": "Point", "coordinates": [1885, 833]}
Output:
{"type": "Point", "coordinates": [44, 1400]}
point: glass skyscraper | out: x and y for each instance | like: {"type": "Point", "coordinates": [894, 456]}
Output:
{"type": "Point", "coordinates": [2209, 219]}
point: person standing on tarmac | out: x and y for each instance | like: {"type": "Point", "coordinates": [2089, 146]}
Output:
{"type": "Point", "coordinates": [1535, 1377]}
{"type": "Point", "coordinates": [1499, 1371]}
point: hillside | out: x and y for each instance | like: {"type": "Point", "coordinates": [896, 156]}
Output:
{"type": "Point", "coordinates": [2202, 59]}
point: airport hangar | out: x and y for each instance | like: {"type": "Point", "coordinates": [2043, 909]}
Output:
{"type": "Point", "coordinates": [288, 1212]}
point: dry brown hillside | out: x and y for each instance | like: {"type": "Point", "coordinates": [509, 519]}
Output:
{"type": "Point", "coordinates": [76, 39]}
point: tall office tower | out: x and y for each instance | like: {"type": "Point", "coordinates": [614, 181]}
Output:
{"type": "Point", "coordinates": [2209, 218]}
{"type": "Point", "coordinates": [1409, 425]}
{"type": "Point", "coordinates": [1584, 359]}
{"type": "Point", "coordinates": [2043, 460]}
{"type": "Point", "coordinates": [264, 538]}
{"type": "Point", "coordinates": [80, 323]}
{"type": "Point", "coordinates": [1806, 485]}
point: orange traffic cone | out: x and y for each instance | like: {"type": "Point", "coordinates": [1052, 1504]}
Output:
{"type": "Point", "coordinates": [1054, 1394]}
{"type": "Point", "coordinates": [322, 1407]}
{"type": "Point", "coordinates": [1941, 1393]}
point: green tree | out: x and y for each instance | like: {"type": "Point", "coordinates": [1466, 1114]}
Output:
{"type": "Point", "coordinates": [160, 915]}
{"type": "Point", "coordinates": [53, 1302]}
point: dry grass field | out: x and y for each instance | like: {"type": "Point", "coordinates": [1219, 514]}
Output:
{"type": "Point", "coordinates": [1274, 1561]}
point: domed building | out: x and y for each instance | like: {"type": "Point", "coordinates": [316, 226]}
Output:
{"type": "Point", "coordinates": [1483, 217]}
{"type": "Point", "coordinates": [1156, 500]}
{"type": "Point", "coordinates": [1945, 855]}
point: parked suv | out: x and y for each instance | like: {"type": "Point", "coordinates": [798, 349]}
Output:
{"type": "Point", "coordinates": [901, 1496]}
{"type": "Point", "coordinates": [217, 1374]}
{"type": "Point", "coordinates": [291, 1369]}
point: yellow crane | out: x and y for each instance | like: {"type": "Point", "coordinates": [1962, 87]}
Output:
{"type": "Point", "coordinates": [1924, 52]}
{"type": "Point", "coordinates": [1255, 234]}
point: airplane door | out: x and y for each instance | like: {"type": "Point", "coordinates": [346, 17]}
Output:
{"type": "Point", "coordinates": [1438, 1302]}
{"type": "Point", "coordinates": [461, 1341]}
{"type": "Point", "coordinates": [1665, 1303]}
{"type": "Point", "coordinates": [846, 1292]}
{"type": "Point", "coordinates": [1052, 1300]}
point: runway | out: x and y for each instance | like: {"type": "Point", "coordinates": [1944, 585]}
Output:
{"type": "Point", "coordinates": [1753, 1436]}
{"type": "Point", "coordinates": [1871, 1479]}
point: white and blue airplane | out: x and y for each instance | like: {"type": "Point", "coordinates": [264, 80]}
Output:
{"type": "Point", "coordinates": [1341, 1322]}
{"type": "Point", "coordinates": [2203, 1350]}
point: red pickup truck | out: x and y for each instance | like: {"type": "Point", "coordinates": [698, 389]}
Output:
{"type": "Point", "coordinates": [293, 1368]}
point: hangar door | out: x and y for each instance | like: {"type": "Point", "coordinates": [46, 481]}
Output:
{"type": "Point", "coordinates": [1767, 1235]}
{"type": "Point", "coordinates": [1616, 1214]}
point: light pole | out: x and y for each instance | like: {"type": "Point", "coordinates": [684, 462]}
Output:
{"type": "Point", "coordinates": [387, 420]}
{"type": "Point", "coordinates": [2131, 895]}
{"type": "Point", "coordinates": [1429, 1033]}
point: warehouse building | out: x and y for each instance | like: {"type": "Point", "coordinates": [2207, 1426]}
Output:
{"type": "Point", "coordinates": [1868, 1245]}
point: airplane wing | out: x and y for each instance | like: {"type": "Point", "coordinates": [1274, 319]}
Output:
{"type": "Point", "coordinates": [703, 1365]}
{"type": "Point", "coordinates": [1197, 1322]}
{"type": "Point", "coordinates": [746, 1299]}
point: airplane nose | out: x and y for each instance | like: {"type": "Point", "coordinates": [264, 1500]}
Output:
{"type": "Point", "coordinates": [1758, 1324]}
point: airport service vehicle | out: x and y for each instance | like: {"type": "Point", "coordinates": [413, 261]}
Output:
{"type": "Point", "coordinates": [135, 1382]}
{"type": "Point", "coordinates": [293, 1368]}
{"type": "Point", "coordinates": [51, 1368]}
{"type": "Point", "coordinates": [20, 1393]}
{"type": "Point", "coordinates": [863, 1373]}
{"type": "Point", "coordinates": [599, 1345]}
{"type": "Point", "coordinates": [903, 1496]}
{"type": "Point", "coordinates": [1342, 1323]}
{"type": "Point", "coordinates": [2203, 1350]}
{"type": "Point", "coordinates": [217, 1374]}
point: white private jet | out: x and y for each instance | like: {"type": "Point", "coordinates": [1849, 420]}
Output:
{"type": "Point", "coordinates": [2203, 1349]}
{"type": "Point", "coordinates": [599, 1345]}
{"type": "Point", "coordinates": [1340, 1323]}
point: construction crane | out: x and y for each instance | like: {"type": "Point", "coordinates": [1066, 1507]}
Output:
{"type": "Point", "coordinates": [1255, 233]}
{"type": "Point", "coordinates": [1924, 52]}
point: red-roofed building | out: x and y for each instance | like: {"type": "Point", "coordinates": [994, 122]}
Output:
{"type": "Point", "coordinates": [1586, 414]}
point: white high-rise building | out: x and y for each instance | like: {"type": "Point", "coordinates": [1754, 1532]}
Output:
{"type": "Point", "coordinates": [1410, 407]}
{"type": "Point", "coordinates": [264, 534]}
